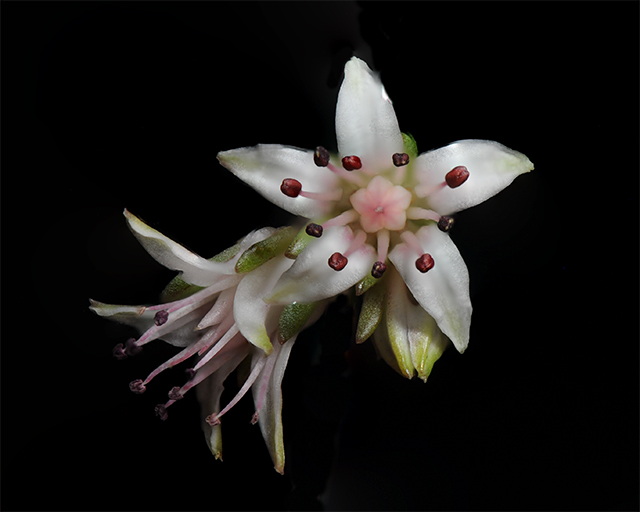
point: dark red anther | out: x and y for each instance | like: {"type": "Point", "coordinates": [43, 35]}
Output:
{"type": "Point", "coordinates": [314, 230]}
{"type": "Point", "coordinates": [161, 412]}
{"type": "Point", "coordinates": [378, 269]}
{"type": "Point", "coordinates": [337, 261]}
{"type": "Point", "coordinates": [290, 187]}
{"type": "Point", "coordinates": [400, 159]}
{"type": "Point", "coordinates": [321, 157]}
{"type": "Point", "coordinates": [137, 386]}
{"type": "Point", "coordinates": [351, 163]}
{"type": "Point", "coordinates": [175, 393]}
{"type": "Point", "coordinates": [191, 373]}
{"type": "Point", "coordinates": [119, 353]}
{"type": "Point", "coordinates": [457, 176]}
{"type": "Point", "coordinates": [255, 418]}
{"type": "Point", "coordinates": [425, 263]}
{"type": "Point", "coordinates": [445, 223]}
{"type": "Point", "coordinates": [212, 420]}
{"type": "Point", "coordinates": [130, 347]}
{"type": "Point", "coordinates": [161, 317]}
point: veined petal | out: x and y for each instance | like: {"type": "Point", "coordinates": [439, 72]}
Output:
{"type": "Point", "coordinates": [249, 310]}
{"type": "Point", "coordinates": [267, 396]}
{"type": "Point", "coordinates": [443, 291]}
{"type": "Point", "coordinates": [195, 269]}
{"type": "Point", "coordinates": [265, 166]}
{"type": "Point", "coordinates": [311, 278]}
{"type": "Point", "coordinates": [366, 124]}
{"type": "Point", "coordinates": [492, 167]}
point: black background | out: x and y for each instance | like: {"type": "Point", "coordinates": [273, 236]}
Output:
{"type": "Point", "coordinates": [114, 105]}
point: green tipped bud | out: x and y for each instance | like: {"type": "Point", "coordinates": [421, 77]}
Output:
{"type": "Point", "coordinates": [293, 319]}
{"type": "Point", "coordinates": [371, 312]}
{"type": "Point", "coordinates": [263, 251]}
{"type": "Point", "coordinates": [367, 282]}
{"type": "Point", "coordinates": [410, 145]}
{"type": "Point", "coordinates": [298, 244]}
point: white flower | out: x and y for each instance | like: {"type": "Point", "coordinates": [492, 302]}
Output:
{"type": "Point", "coordinates": [378, 216]}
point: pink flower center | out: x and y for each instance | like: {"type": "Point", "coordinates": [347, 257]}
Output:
{"type": "Point", "coordinates": [382, 205]}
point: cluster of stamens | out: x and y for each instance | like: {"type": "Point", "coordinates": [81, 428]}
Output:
{"type": "Point", "coordinates": [378, 206]}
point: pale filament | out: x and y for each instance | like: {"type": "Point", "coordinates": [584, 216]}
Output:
{"type": "Point", "coordinates": [421, 213]}
{"type": "Point", "coordinates": [342, 219]}
{"type": "Point", "coordinates": [357, 242]}
{"type": "Point", "coordinates": [383, 244]}
{"type": "Point", "coordinates": [412, 241]}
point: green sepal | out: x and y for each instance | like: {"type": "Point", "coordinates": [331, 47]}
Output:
{"type": "Point", "coordinates": [373, 305]}
{"type": "Point", "coordinates": [263, 251]}
{"type": "Point", "coordinates": [410, 145]}
{"type": "Point", "coordinates": [293, 319]}
{"type": "Point", "coordinates": [367, 282]}
{"type": "Point", "coordinates": [298, 244]}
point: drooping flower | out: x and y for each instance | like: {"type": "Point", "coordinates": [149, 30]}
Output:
{"type": "Point", "coordinates": [376, 221]}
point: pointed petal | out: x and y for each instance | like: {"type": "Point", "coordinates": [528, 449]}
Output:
{"type": "Point", "coordinates": [264, 166]}
{"type": "Point", "coordinates": [311, 278]}
{"type": "Point", "coordinates": [136, 316]}
{"type": "Point", "coordinates": [366, 124]}
{"type": "Point", "coordinates": [270, 416]}
{"type": "Point", "coordinates": [492, 167]}
{"type": "Point", "coordinates": [249, 310]}
{"type": "Point", "coordinates": [195, 269]}
{"type": "Point", "coordinates": [444, 290]}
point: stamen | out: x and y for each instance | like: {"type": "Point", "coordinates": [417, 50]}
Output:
{"type": "Point", "coordinates": [256, 417]}
{"type": "Point", "coordinates": [233, 330]}
{"type": "Point", "coordinates": [291, 187]}
{"type": "Point", "coordinates": [337, 261]}
{"type": "Point", "coordinates": [321, 157]}
{"type": "Point", "coordinates": [425, 263]}
{"type": "Point", "coordinates": [161, 317]}
{"type": "Point", "coordinates": [161, 412]}
{"type": "Point", "coordinates": [214, 419]}
{"type": "Point", "coordinates": [131, 347]}
{"type": "Point", "coordinates": [137, 386]}
{"type": "Point", "coordinates": [422, 213]}
{"type": "Point", "coordinates": [412, 241]}
{"type": "Point", "coordinates": [119, 353]}
{"type": "Point", "coordinates": [400, 159]}
{"type": "Point", "coordinates": [357, 242]}
{"type": "Point", "coordinates": [445, 223]}
{"type": "Point", "coordinates": [383, 244]}
{"type": "Point", "coordinates": [191, 372]}
{"type": "Point", "coordinates": [342, 220]}
{"type": "Point", "coordinates": [378, 269]}
{"type": "Point", "coordinates": [351, 163]}
{"type": "Point", "coordinates": [457, 176]}
{"type": "Point", "coordinates": [175, 393]}
{"type": "Point", "coordinates": [333, 195]}
{"type": "Point", "coordinates": [314, 230]}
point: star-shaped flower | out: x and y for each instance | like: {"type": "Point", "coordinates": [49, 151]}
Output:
{"type": "Point", "coordinates": [376, 220]}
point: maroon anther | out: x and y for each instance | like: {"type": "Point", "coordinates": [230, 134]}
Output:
{"type": "Point", "coordinates": [119, 353]}
{"type": "Point", "coordinates": [400, 159]}
{"type": "Point", "coordinates": [314, 230]}
{"type": "Point", "coordinates": [255, 418]}
{"type": "Point", "coordinates": [290, 187]}
{"type": "Point", "coordinates": [457, 176]}
{"type": "Point", "coordinates": [161, 317]}
{"type": "Point", "coordinates": [337, 261]}
{"type": "Point", "coordinates": [137, 386]}
{"type": "Point", "coordinates": [321, 157]}
{"type": "Point", "coordinates": [351, 163]}
{"type": "Point", "coordinates": [445, 223]}
{"type": "Point", "coordinates": [130, 347]}
{"type": "Point", "coordinates": [175, 393]}
{"type": "Point", "coordinates": [212, 420]}
{"type": "Point", "coordinates": [191, 373]}
{"type": "Point", "coordinates": [161, 412]}
{"type": "Point", "coordinates": [378, 269]}
{"type": "Point", "coordinates": [425, 263]}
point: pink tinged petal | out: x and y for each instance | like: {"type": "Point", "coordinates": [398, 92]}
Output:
{"type": "Point", "coordinates": [443, 291]}
{"type": "Point", "coordinates": [265, 166]}
{"type": "Point", "coordinates": [366, 124]}
{"type": "Point", "coordinates": [209, 392]}
{"type": "Point", "coordinates": [249, 310]}
{"type": "Point", "coordinates": [491, 166]}
{"type": "Point", "coordinates": [267, 396]}
{"type": "Point", "coordinates": [311, 278]}
{"type": "Point", "coordinates": [195, 269]}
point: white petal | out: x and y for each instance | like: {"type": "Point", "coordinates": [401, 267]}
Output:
{"type": "Point", "coordinates": [366, 124]}
{"type": "Point", "coordinates": [443, 291]}
{"type": "Point", "coordinates": [492, 167]}
{"type": "Point", "coordinates": [264, 166]}
{"type": "Point", "coordinates": [270, 418]}
{"type": "Point", "coordinates": [398, 304]}
{"type": "Point", "coordinates": [195, 269]}
{"type": "Point", "coordinates": [311, 278]}
{"type": "Point", "coordinates": [249, 310]}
